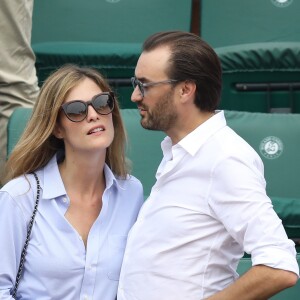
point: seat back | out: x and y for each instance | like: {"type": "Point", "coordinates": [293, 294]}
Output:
{"type": "Point", "coordinates": [16, 125]}
{"type": "Point", "coordinates": [117, 21]}
{"type": "Point", "coordinates": [115, 61]}
{"type": "Point", "coordinates": [276, 138]}
{"type": "Point", "coordinates": [232, 22]}
{"type": "Point", "coordinates": [261, 77]}
{"type": "Point", "coordinates": [258, 43]}
{"type": "Point", "coordinates": [104, 34]}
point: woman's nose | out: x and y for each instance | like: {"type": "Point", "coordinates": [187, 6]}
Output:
{"type": "Point", "coordinates": [92, 114]}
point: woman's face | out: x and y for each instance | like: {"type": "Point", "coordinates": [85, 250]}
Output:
{"type": "Point", "coordinates": [92, 135]}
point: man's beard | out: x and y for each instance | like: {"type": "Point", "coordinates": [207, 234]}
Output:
{"type": "Point", "coordinates": [162, 116]}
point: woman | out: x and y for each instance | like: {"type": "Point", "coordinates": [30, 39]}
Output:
{"type": "Point", "coordinates": [75, 143]}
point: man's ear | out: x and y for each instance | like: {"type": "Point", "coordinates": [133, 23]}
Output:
{"type": "Point", "coordinates": [188, 91]}
{"type": "Point", "coordinates": [57, 132]}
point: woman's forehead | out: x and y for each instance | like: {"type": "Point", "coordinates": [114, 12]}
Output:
{"type": "Point", "coordinates": [84, 90]}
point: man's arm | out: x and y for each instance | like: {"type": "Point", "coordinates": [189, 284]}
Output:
{"type": "Point", "coordinates": [259, 283]}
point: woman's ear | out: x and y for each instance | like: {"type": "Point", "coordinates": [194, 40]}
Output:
{"type": "Point", "coordinates": [57, 132]}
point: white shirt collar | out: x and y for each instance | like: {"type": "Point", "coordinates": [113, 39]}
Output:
{"type": "Point", "coordinates": [201, 134]}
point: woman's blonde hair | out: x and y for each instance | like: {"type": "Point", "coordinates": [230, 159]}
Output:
{"type": "Point", "coordinates": [37, 144]}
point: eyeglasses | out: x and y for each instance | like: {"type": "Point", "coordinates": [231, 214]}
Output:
{"type": "Point", "coordinates": [77, 110]}
{"type": "Point", "coordinates": [141, 85]}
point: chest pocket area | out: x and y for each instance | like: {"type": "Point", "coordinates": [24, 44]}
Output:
{"type": "Point", "coordinates": [116, 248]}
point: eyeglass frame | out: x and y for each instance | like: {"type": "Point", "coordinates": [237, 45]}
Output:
{"type": "Point", "coordinates": [88, 103]}
{"type": "Point", "coordinates": [142, 85]}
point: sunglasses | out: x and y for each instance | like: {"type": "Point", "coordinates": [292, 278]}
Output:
{"type": "Point", "coordinates": [77, 110]}
{"type": "Point", "coordinates": [142, 86]}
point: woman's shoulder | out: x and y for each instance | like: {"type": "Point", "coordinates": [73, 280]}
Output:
{"type": "Point", "coordinates": [130, 181]}
{"type": "Point", "coordinates": [131, 187]}
{"type": "Point", "coordinates": [18, 196]}
{"type": "Point", "coordinates": [18, 186]}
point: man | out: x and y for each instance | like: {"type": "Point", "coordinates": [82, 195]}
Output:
{"type": "Point", "coordinates": [209, 203]}
{"type": "Point", "coordinates": [18, 81]}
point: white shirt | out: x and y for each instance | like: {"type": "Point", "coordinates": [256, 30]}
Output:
{"type": "Point", "coordinates": [58, 266]}
{"type": "Point", "coordinates": [207, 207]}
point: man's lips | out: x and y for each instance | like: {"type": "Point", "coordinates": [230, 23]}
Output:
{"type": "Point", "coordinates": [142, 109]}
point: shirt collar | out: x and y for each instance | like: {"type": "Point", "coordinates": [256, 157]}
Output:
{"type": "Point", "coordinates": [110, 178]}
{"type": "Point", "coordinates": [53, 185]}
{"type": "Point", "coordinates": [201, 134]}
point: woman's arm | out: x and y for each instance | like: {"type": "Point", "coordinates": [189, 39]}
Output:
{"type": "Point", "coordinates": [12, 238]}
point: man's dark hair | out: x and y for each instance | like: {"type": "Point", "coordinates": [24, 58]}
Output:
{"type": "Point", "coordinates": [191, 59]}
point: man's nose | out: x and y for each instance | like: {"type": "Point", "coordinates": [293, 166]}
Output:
{"type": "Point", "coordinates": [136, 95]}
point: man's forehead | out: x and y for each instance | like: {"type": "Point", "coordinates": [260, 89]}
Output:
{"type": "Point", "coordinates": [152, 63]}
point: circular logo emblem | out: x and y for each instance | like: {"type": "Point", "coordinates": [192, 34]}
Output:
{"type": "Point", "coordinates": [271, 147]}
{"type": "Point", "coordinates": [282, 3]}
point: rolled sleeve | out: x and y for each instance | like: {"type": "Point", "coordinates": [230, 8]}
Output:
{"type": "Point", "coordinates": [241, 204]}
{"type": "Point", "coordinates": [277, 257]}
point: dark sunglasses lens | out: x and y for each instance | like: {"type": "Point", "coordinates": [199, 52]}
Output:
{"type": "Point", "coordinates": [76, 111]}
{"type": "Point", "coordinates": [103, 104]}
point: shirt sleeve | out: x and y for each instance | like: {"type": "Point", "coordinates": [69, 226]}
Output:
{"type": "Point", "coordinates": [12, 239]}
{"type": "Point", "coordinates": [240, 202]}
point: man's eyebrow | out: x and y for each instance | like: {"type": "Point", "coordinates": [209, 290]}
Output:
{"type": "Point", "coordinates": [142, 79]}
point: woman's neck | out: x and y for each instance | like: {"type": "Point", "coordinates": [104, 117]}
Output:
{"type": "Point", "coordinates": [83, 176]}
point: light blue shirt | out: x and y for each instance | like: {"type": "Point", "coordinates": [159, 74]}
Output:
{"type": "Point", "coordinates": [58, 266]}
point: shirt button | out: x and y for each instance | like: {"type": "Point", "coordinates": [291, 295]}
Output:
{"type": "Point", "coordinates": [64, 199]}
{"type": "Point", "coordinates": [85, 297]}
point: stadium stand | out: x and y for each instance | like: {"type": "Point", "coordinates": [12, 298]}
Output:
{"type": "Point", "coordinates": [261, 77]}
{"type": "Point", "coordinates": [276, 138]}
{"type": "Point", "coordinates": [106, 35]}
{"type": "Point", "coordinates": [235, 22]}
{"type": "Point", "coordinates": [277, 145]}
{"type": "Point", "coordinates": [260, 61]}
{"type": "Point", "coordinates": [258, 44]}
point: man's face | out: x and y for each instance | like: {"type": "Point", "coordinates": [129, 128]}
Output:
{"type": "Point", "coordinates": [157, 107]}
